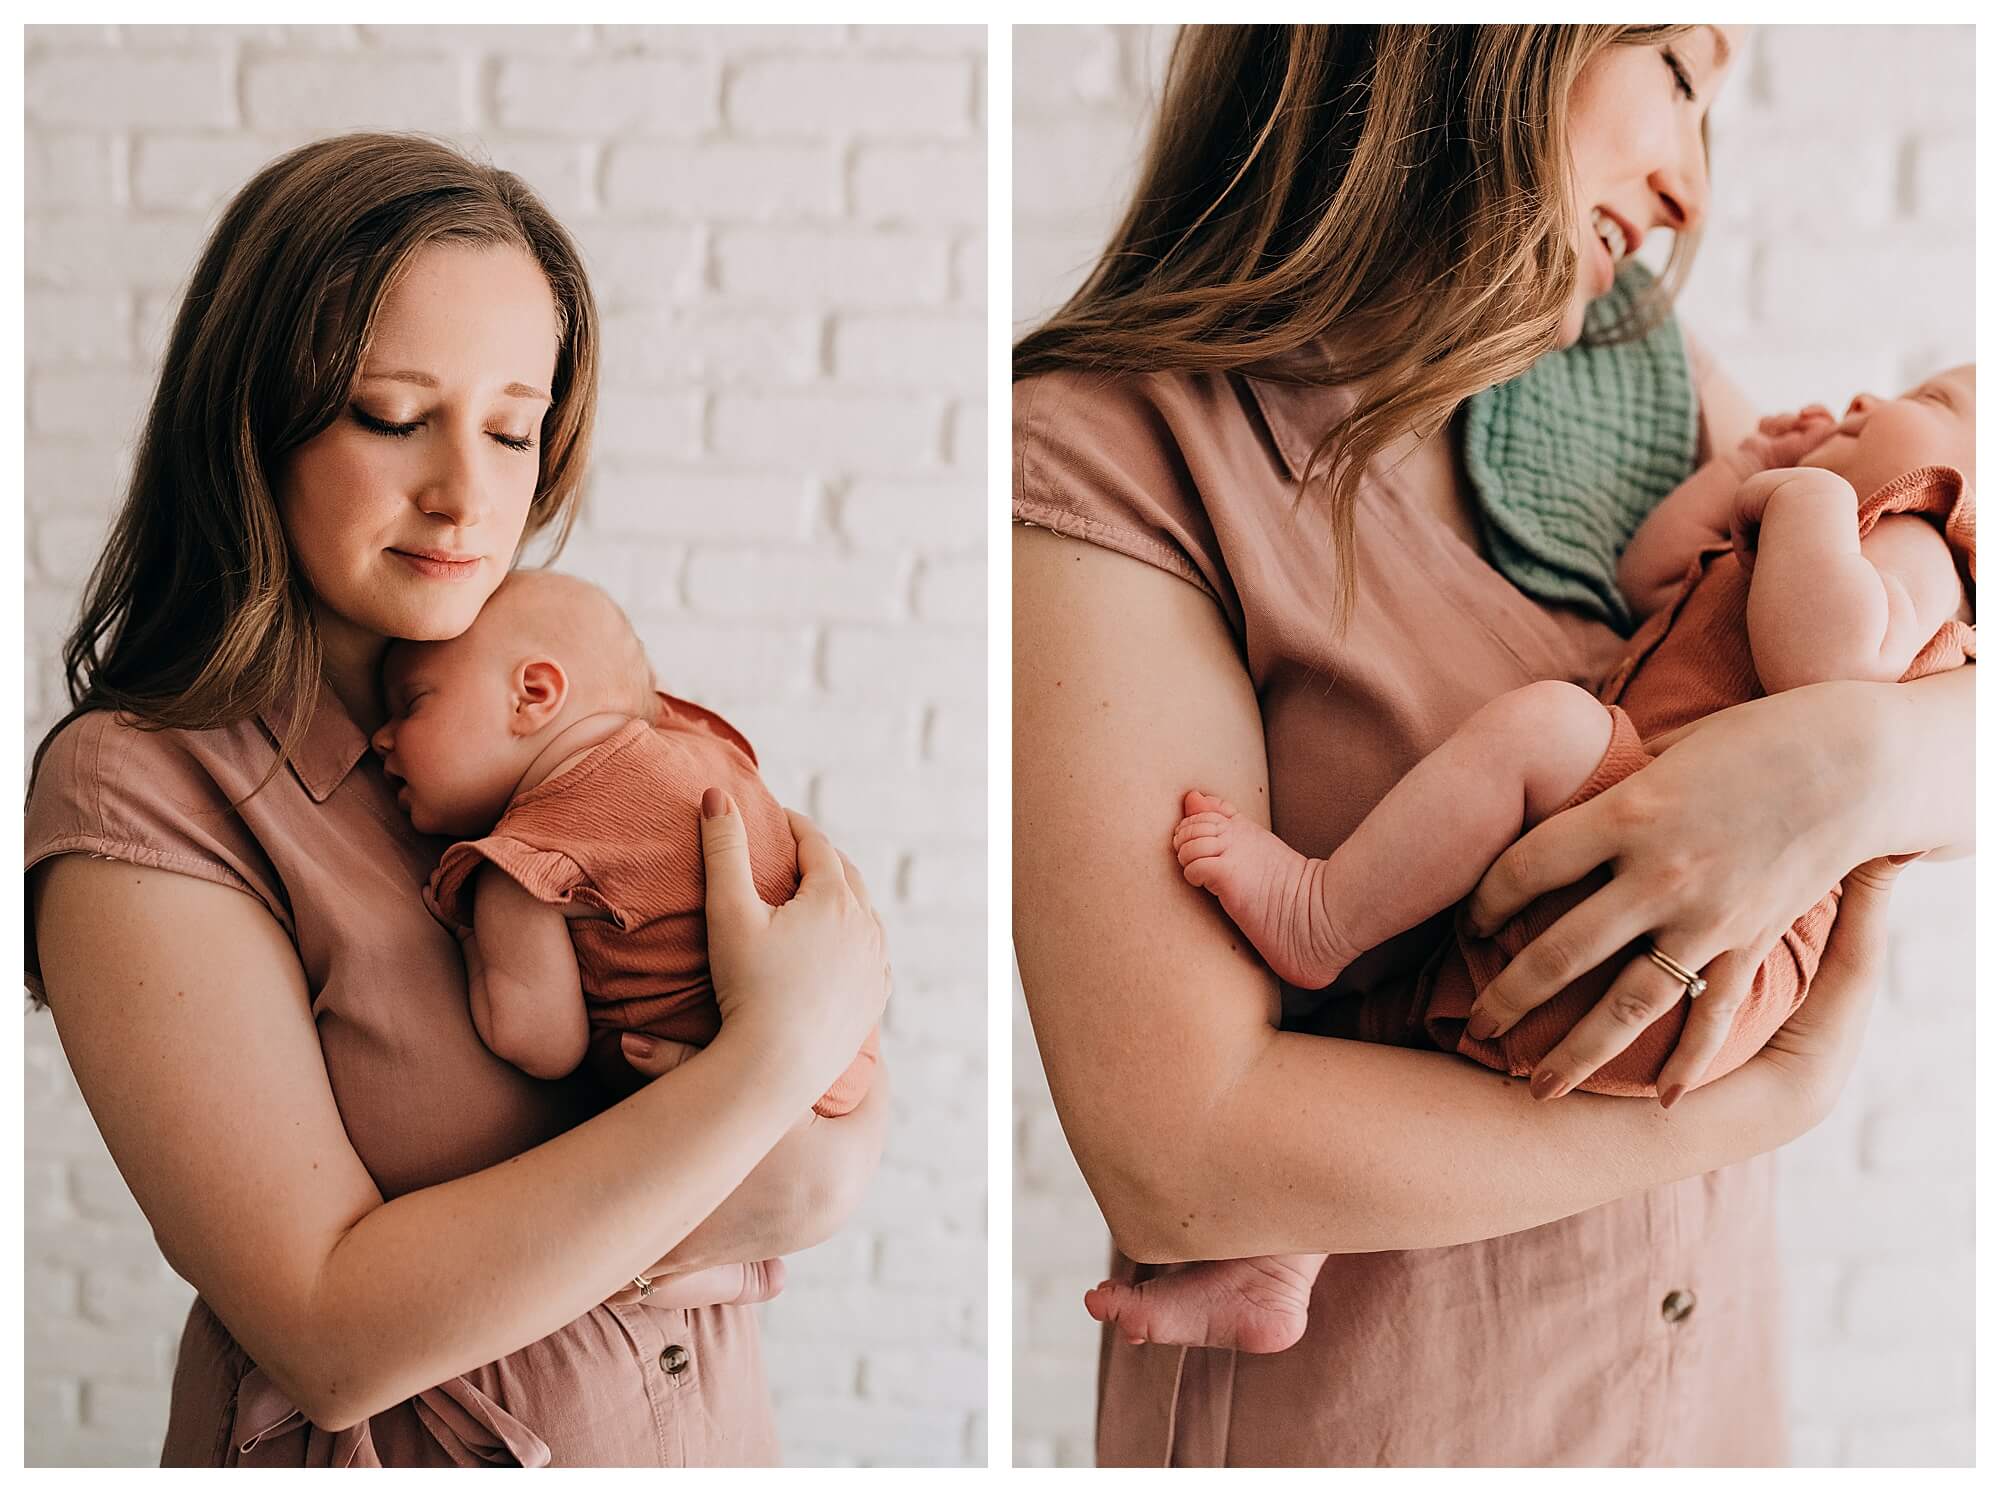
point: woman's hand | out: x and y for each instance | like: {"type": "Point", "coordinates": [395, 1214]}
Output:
{"type": "Point", "coordinates": [1715, 848]}
{"type": "Point", "coordinates": [805, 981]}
{"type": "Point", "coordinates": [1814, 1051]}
{"type": "Point", "coordinates": [750, 1283]}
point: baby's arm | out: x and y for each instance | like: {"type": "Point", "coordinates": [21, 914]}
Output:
{"type": "Point", "coordinates": [1692, 515]}
{"type": "Point", "coordinates": [527, 1001]}
{"type": "Point", "coordinates": [1698, 512]}
{"type": "Point", "coordinates": [1827, 604]}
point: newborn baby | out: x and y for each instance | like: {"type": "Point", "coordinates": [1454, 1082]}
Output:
{"type": "Point", "coordinates": [538, 740]}
{"type": "Point", "coordinates": [1764, 571]}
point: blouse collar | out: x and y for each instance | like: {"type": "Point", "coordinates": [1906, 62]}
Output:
{"type": "Point", "coordinates": [333, 743]}
{"type": "Point", "coordinates": [1298, 416]}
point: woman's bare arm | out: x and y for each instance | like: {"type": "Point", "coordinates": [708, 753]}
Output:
{"type": "Point", "coordinates": [1204, 1132]}
{"type": "Point", "coordinates": [800, 1195]}
{"type": "Point", "coordinates": [205, 1076]}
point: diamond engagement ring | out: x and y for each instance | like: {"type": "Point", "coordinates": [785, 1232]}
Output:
{"type": "Point", "coordinates": [1694, 982]}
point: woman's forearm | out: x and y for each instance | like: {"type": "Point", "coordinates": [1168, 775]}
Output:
{"type": "Point", "coordinates": [1412, 1149]}
{"type": "Point", "coordinates": [423, 1288]}
{"type": "Point", "coordinates": [800, 1194]}
{"type": "Point", "coordinates": [1919, 779]}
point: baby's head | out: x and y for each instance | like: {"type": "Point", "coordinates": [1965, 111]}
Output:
{"type": "Point", "coordinates": [469, 715]}
{"type": "Point", "coordinates": [1878, 440]}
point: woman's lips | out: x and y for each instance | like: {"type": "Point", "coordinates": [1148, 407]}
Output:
{"type": "Point", "coordinates": [435, 565]}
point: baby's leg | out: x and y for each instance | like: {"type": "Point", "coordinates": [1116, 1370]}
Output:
{"type": "Point", "coordinates": [1423, 847]}
{"type": "Point", "coordinates": [1253, 1305]}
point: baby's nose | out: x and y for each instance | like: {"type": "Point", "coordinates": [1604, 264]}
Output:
{"type": "Point", "coordinates": [1862, 403]}
{"type": "Point", "coordinates": [384, 740]}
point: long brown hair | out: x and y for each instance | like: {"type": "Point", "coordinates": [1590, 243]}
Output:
{"type": "Point", "coordinates": [195, 615]}
{"type": "Point", "coordinates": [1386, 207]}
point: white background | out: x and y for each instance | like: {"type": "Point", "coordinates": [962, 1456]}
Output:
{"type": "Point", "coordinates": [785, 228]}
{"type": "Point", "coordinates": [1839, 258]}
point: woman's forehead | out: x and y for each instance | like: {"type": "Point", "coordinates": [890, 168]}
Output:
{"type": "Point", "coordinates": [459, 308]}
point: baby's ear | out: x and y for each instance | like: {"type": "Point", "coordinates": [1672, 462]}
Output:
{"type": "Point", "coordinates": [540, 688]}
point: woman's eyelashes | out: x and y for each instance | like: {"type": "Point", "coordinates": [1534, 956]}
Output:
{"type": "Point", "coordinates": [403, 430]}
{"type": "Point", "coordinates": [1683, 84]}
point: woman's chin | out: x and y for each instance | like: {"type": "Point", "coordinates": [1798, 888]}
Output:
{"type": "Point", "coordinates": [430, 618]}
{"type": "Point", "coordinates": [1571, 330]}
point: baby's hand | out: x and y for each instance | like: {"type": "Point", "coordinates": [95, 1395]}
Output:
{"type": "Point", "coordinates": [1797, 484]}
{"type": "Point", "coordinates": [1782, 439]}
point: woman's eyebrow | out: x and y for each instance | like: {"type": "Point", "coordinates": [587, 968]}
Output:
{"type": "Point", "coordinates": [424, 380]}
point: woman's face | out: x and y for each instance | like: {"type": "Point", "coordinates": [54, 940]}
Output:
{"type": "Point", "coordinates": [405, 512]}
{"type": "Point", "coordinates": [1637, 163]}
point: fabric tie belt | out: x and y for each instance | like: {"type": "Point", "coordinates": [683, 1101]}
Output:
{"type": "Point", "coordinates": [467, 1425]}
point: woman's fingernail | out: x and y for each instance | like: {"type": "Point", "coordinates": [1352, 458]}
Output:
{"type": "Point", "coordinates": [636, 1045]}
{"type": "Point", "coordinates": [713, 804]}
{"type": "Point", "coordinates": [1672, 1095]}
{"type": "Point", "coordinates": [1482, 1026]}
{"type": "Point", "coordinates": [1543, 1085]}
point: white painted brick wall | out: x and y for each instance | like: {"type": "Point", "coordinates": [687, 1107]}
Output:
{"type": "Point", "coordinates": [785, 228]}
{"type": "Point", "coordinates": [1840, 257]}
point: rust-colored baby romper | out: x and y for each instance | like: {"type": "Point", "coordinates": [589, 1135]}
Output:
{"type": "Point", "coordinates": [621, 832]}
{"type": "Point", "coordinates": [1690, 659]}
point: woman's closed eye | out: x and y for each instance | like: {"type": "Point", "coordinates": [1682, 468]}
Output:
{"type": "Point", "coordinates": [1683, 84]}
{"type": "Point", "coordinates": [403, 430]}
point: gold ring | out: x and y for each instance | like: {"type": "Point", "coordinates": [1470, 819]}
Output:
{"type": "Point", "coordinates": [1694, 982]}
{"type": "Point", "coordinates": [645, 1285]}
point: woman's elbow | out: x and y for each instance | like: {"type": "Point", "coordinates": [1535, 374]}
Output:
{"type": "Point", "coordinates": [1155, 1214]}
{"type": "Point", "coordinates": [835, 1191]}
{"type": "Point", "coordinates": [329, 1397]}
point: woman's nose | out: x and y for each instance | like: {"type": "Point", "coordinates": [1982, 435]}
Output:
{"type": "Point", "coordinates": [1682, 184]}
{"type": "Point", "coordinates": [451, 490]}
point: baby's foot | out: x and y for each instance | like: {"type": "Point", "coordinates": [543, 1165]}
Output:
{"type": "Point", "coordinates": [1268, 888]}
{"type": "Point", "coordinates": [1253, 1305]}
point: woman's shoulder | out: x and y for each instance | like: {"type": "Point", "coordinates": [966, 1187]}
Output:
{"type": "Point", "coordinates": [107, 754]}
{"type": "Point", "coordinates": [114, 786]}
{"type": "Point", "coordinates": [1085, 417]}
{"type": "Point", "coordinates": [1133, 462]}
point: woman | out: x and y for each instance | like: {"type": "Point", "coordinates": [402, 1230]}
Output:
{"type": "Point", "coordinates": [1251, 563]}
{"type": "Point", "coordinates": [381, 382]}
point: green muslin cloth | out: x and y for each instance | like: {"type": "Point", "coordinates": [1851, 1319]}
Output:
{"type": "Point", "coordinates": [1569, 458]}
